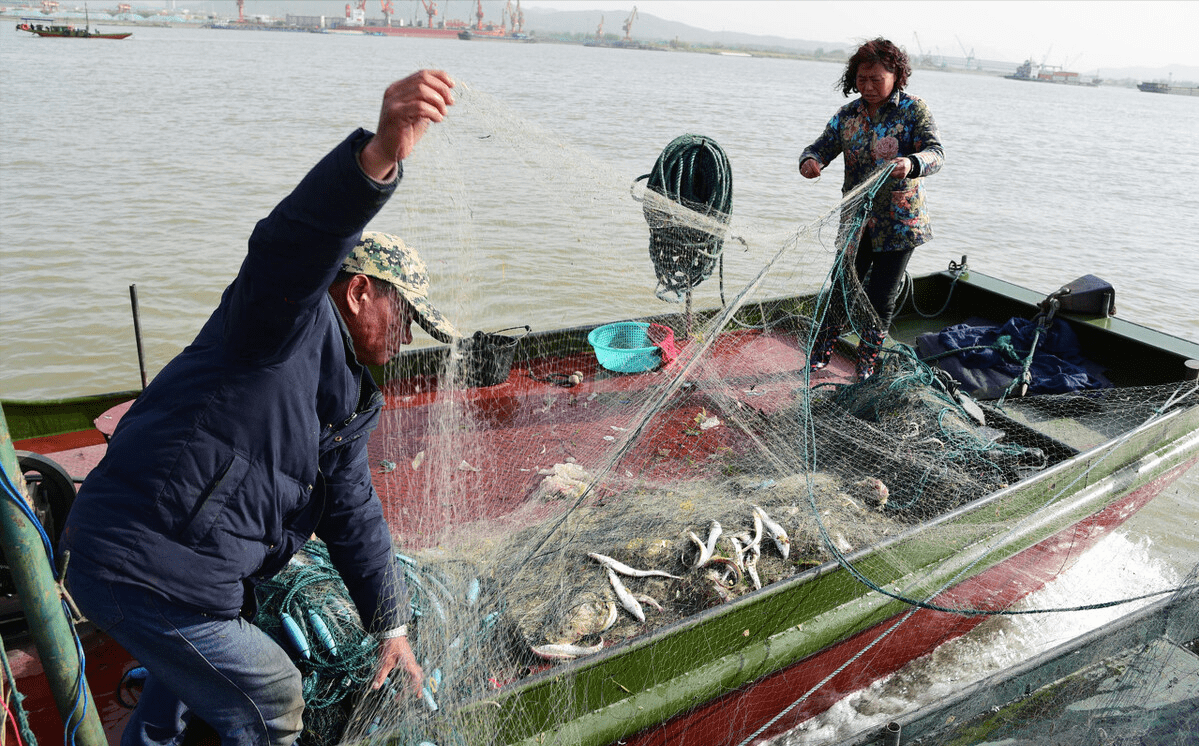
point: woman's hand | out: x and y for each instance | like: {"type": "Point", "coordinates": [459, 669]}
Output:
{"type": "Point", "coordinates": [809, 168]}
{"type": "Point", "coordinates": [903, 167]}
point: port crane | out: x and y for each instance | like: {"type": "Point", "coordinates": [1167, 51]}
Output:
{"type": "Point", "coordinates": [430, 9]}
{"type": "Point", "coordinates": [1045, 61]}
{"type": "Point", "coordinates": [388, 11]}
{"type": "Point", "coordinates": [479, 16]}
{"type": "Point", "coordinates": [925, 59]}
{"type": "Point", "coordinates": [241, 11]}
{"type": "Point", "coordinates": [628, 24]}
{"type": "Point", "coordinates": [599, 30]}
{"type": "Point", "coordinates": [968, 55]}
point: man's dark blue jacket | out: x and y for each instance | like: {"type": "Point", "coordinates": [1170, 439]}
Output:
{"type": "Point", "coordinates": [255, 436]}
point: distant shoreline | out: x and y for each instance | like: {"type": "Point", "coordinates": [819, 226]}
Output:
{"type": "Point", "coordinates": [610, 41]}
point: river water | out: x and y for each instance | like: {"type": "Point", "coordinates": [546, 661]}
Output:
{"type": "Point", "coordinates": [148, 161]}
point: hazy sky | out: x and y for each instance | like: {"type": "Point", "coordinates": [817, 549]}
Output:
{"type": "Point", "coordinates": [1079, 35]}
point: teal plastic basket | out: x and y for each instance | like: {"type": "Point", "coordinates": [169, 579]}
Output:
{"type": "Point", "coordinates": [624, 347]}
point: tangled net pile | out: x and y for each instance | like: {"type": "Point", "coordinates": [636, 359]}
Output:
{"type": "Point", "coordinates": [729, 471]}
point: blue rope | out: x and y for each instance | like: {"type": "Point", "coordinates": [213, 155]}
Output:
{"type": "Point", "coordinates": [12, 493]}
{"type": "Point", "coordinates": [79, 708]}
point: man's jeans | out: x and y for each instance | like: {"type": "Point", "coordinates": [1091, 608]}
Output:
{"type": "Point", "coordinates": [226, 672]}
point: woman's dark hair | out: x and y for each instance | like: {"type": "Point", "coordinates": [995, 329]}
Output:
{"type": "Point", "coordinates": [877, 52]}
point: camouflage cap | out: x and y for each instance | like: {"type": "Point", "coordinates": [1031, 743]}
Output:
{"type": "Point", "coordinates": [388, 258]}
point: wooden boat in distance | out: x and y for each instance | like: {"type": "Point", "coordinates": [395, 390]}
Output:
{"type": "Point", "coordinates": [737, 670]}
{"type": "Point", "coordinates": [37, 27]}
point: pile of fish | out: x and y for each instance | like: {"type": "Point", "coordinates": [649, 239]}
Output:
{"type": "Point", "coordinates": [651, 564]}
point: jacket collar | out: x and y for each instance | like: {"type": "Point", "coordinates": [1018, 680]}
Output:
{"type": "Point", "coordinates": [892, 100]}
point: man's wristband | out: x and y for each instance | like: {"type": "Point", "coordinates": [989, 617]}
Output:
{"type": "Point", "coordinates": [394, 632]}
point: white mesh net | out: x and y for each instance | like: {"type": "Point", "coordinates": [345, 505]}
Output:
{"type": "Point", "coordinates": [781, 513]}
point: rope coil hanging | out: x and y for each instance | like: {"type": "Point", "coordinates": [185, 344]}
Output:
{"type": "Point", "coordinates": [692, 171]}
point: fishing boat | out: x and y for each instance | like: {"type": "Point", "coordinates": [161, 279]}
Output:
{"type": "Point", "coordinates": [1159, 87]}
{"type": "Point", "coordinates": [66, 31]}
{"type": "Point", "coordinates": [554, 437]}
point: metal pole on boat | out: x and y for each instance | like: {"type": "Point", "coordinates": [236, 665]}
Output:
{"type": "Point", "coordinates": [30, 569]}
{"type": "Point", "coordinates": [137, 333]}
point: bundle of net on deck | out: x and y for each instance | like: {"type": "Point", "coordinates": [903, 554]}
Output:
{"type": "Point", "coordinates": [509, 509]}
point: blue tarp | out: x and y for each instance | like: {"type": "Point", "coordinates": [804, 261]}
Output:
{"type": "Point", "coordinates": [1057, 365]}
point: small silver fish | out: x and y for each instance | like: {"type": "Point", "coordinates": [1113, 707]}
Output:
{"type": "Point", "coordinates": [649, 601]}
{"type": "Point", "coordinates": [562, 652]}
{"type": "Point", "coordinates": [612, 613]}
{"type": "Point", "coordinates": [624, 569]}
{"type": "Point", "coordinates": [626, 599]}
{"type": "Point", "coordinates": [704, 555]}
{"type": "Point", "coordinates": [775, 531]}
{"type": "Point", "coordinates": [713, 535]}
{"type": "Point", "coordinates": [757, 540]}
{"type": "Point", "coordinates": [751, 565]}
{"type": "Point", "coordinates": [718, 586]}
{"type": "Point", "coordinates": [738, 552]}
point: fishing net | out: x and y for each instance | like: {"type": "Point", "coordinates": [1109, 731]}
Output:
{"type": "Point", "coordinates": [590, 554]}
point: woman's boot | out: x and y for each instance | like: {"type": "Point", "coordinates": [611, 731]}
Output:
{"type": "Point", "coordinates": [822, 347]}
{"type": "Point", "coordinates": [868, 349]}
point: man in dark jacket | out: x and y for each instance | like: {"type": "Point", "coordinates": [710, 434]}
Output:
{"type": "Point", "coordinates": [254, 438]}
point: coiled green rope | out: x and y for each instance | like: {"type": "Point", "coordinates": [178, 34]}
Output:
{"type": "Point", "coordinates": [694, 172]}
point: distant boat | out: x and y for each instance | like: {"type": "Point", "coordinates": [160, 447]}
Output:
{"type": "Point", "coordinates": [1049, 74]}
{"type": "Point", "coordinates": [36, 26]}
{"type": "Point", "coordinates": [1177, 90]}
{"type": "Point", "coordinates": [467, 35]}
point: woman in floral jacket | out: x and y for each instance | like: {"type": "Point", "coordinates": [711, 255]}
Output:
{"type": "Point", "coordinates": [884, 126]}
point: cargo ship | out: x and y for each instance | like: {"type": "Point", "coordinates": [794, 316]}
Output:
{"type": "Point", "coordinates": [1049, 74]}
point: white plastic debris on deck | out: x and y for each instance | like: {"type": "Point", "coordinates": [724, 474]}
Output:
{"type": "Point", "coordinates": [564, 480]}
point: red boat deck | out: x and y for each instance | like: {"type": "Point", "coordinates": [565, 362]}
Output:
{"type": "Point", "coordinates": [428, 477]}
